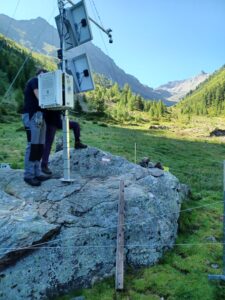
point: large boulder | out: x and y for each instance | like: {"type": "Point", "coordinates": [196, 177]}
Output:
{"type": "Point", "coordinates": [62, 236]}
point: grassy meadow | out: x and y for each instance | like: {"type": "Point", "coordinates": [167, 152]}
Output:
{"type": "Point", "coordinates": [197, 160]}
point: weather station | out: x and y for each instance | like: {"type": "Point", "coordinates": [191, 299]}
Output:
{"type": "Point", "coordinates": [56, 89]}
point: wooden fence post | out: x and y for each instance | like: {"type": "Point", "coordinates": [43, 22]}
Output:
{"type": "Point", "coordinates": [120, 240]}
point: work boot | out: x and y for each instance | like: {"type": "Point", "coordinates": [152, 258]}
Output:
{"type": "Point", "coordinates": [46, 170]}
{"type": "Point", "coordinates": [32, 181]}
{"type": "Point", "coordinates": [79, 145]}
{"type": "Point", "coordinates": [43, 177]}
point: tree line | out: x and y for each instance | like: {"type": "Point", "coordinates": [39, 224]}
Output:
{"type": "Point", "coordinates": [208, 98]}
{"type": "Point", "coordinates": [120, 103]}
{"type": "Point", "coordinates": [108, 98]}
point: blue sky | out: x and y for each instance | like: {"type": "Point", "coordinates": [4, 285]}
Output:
{"type": "Point", "coordinates": [155, 40]}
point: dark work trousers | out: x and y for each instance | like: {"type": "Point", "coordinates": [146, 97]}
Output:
{"type": "Point", "coordinates": [35, 144]}
{"type": "Point", "coordinates": [50, 135]}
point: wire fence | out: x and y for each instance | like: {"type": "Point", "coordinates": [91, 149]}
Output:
{"type": "Point", "coordinates": [50, 245]}
{"type": "Point", "coordinates": [132, 222]}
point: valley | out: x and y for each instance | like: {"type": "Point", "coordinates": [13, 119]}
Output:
{"type": "Point", "coordinates": [188, 152]}
{"type": "Point", "coordinates": [126, 118]}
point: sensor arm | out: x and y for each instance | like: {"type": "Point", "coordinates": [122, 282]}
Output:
{"type": "Point", "coordinates": [107, 31]}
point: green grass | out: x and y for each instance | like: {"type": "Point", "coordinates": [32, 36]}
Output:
{"type": "Point", "coordinates": [196, 160]}
{"type": "Point", "coordinates": [13, 142]}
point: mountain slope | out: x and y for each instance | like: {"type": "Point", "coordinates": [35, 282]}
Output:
{"type": "Point", "coordinates": [13, 56]}
{"type": "Point", "coordinates": [40, 36]}
{"type": "Point", "coordinates": [176, 90]}
{"type": "Point", "coordinates": [208, 98]}
{"type": "Point", "coordinates": [35, 34]}
{"type": "Point", "coordinates": [103, 64]}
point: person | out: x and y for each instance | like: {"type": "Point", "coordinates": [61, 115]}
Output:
{"type": "Point", "coordinates": [53, 122]}
{"type": "Point", "coordinates": [35, 127]}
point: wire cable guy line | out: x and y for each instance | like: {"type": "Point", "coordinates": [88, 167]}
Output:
{"type": "Point", "coordinates": [97, 13]}
{"type": "Point", "coordinates": [35, 247]}
{"type": "Point", "coordinates": [94, 9]}
{"type": "Point", "coordinates": [40, 245]}
{"type": "Point", "coordinates": [28, 56]}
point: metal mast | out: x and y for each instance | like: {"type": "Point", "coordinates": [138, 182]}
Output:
{"type": "Point", "coordinates": [66, 138]}
{"type": "Point", "coordinates": [221, 276]}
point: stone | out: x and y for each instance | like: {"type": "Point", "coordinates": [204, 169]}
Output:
{"type": "Point", "coordinates": [160, 127]}
{"type": "Point", "coordinates": [144, 162]}
{"type": "Point", "coordinates": [217, 132]}
{"type": "Point", "coordinates": [211, 239]}
{"type": "Point", "coordinates": [21, 228]}
{"type": "Point", "coordinates": [5, 166]}
{"type": "Point", "coordinates": [156, 172]}
{"type": "Point", "coordinates": [214, 266]}
{"type": "Point", "coordinates": [62, 236]}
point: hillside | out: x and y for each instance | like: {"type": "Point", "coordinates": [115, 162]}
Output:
{"type": "Point", "coordinates": [176, 90]}
{"type": "Point", "coordinates": [35, 34]}
{"type": "Point", "coordinates": [107, 98]}
{"type": "Point", "coordinates": [38, 35]}
{"type": "Point", "coordinates": [13, 57]}
{"type": "Point", "coordinates": [208, 98]}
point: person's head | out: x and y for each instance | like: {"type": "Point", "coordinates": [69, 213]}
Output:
{"type": "Point", "coordinates": [41, 70]}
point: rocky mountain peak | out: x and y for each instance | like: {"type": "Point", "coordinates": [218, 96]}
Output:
{"type": "Point", "coordinates": [176, 90]}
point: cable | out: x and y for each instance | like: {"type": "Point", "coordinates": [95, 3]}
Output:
{"type": "Point", "coordinates": [26, 59]}
{"type": "Point", "coordinates": [107, 228]}
{"type": "Point", "coordinates": [14, 79]}
{"type": "Point", "coordinates": [95, 11]}
{"type": "Point", "coordinates": [129, 246]}
{"type": "Point", "coordinates": [205, 205]}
